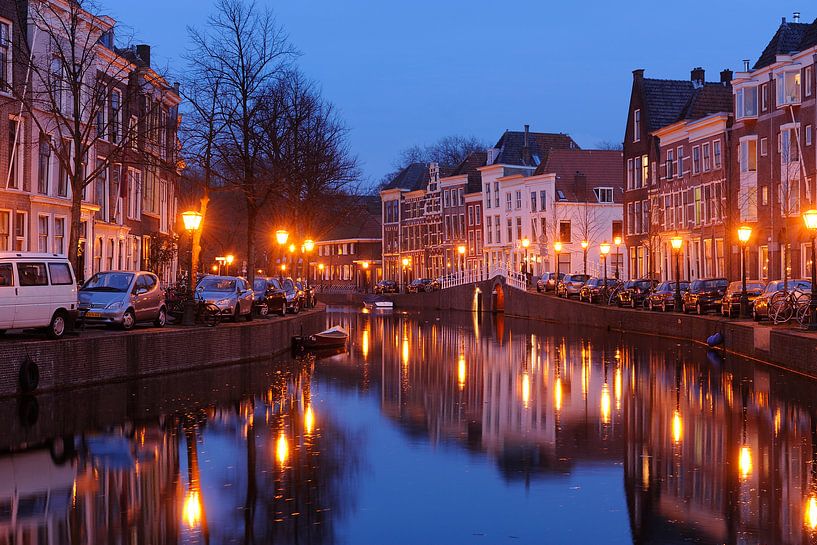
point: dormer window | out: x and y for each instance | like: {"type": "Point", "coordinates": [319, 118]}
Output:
{"type": "Point", "coordinates": [604, 195]}
{"type": "Point", "coordinates": [560, 195]}
{"type": "Point", "coordinates": [788, 88]}
{"type": "Point", "coordinates": [746, 102]}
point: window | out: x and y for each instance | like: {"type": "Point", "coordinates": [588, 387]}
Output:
{"type": "Point", "coordinates": [707, 157]}
{"type": "Point", "coordinates": [616, 229]}
{"type": "Point", "coordinates": [461, 193]}
{"type": "Point", "coordinates": [637, 126]}
{"type": "Point", "coordinates": [716, 149]}
{"type": "Point", "coordinates": [518, 228]}
{"type": "Point", "coordinates": [20, 231]}
{"type": "Point", "coordinates": [43, 164]}
{"type": "Point", "coordinates": [6, 275]}
{"type": "Point", "coordinates": [508, 201]}
{"type": "Point", "coordinates": [132, 125]}
{"type": "Point", "coordinates": [788, 88]}
{"type": "Point", "coordinates": [670, 163]}
{"type": "Point", "coordinates": [564, 232]}
{"type": "Point", "coordinates": [788, 146]}
{"type": "Point", "coordinates": [630, 219]}
{"type": "Point", "coordinates": [32, 274]}
{"type": "Point", "coordinates": [478, 214]}
{"type": "Point", "coordinates": [808, 135]}
{"type": "Point", "coordinates": [696, 160]}
{"type": "Point", "coordinates": [808, 74]}
{"type": "Point", "coordinates": [764, 195]}
{"type": "Point", "coordinates": [542, 200]}
{"type": "Point", "coordinates": [496, 194]}
{"type": "Point", "coordinates": [637, 217]}
{"type": "Point", "coordinates": [746, 102]}
{"type": "Point", "coordinates": [59, 236]}
{"type": "Point", "coordinates": [510, 229]}
{"type": "Point", "coordinates": [764, 147]}
{"type": "Point", "coordinates": [603, 194]}
{"type": "Point", "coordinates": [470, 216]}
{"type": "Point", "coordinates": [14, 153]}
{"type": "Point", "coordinates": [645, 169]}
{"type": "Point", "coordinates": [5, 56]}
{"type": "Point", "coordinates": [637, 182]}
{"type": "Point", "coordinates": [680, 170]}
{"type": "Point", "coordinates": [497, 228]}
{"type": "Point", "coordinates": [115, 126]}
{"type": "Point", "coordinates": [60, 274]}
{"type": "Point", "coordinates": [533, 201]}
{"type": "Point", "coordinates": [42, 234]}
{"type": "Point", "coordinates": [789, 197]}
{"type": "Point", "coordinates": [764, 97]}
{"type": "Point", "coordinates": [110, 254]}
{"type": "Point", "coordinates": [518, 200]}
{"type": "Point", "coordinates": [748, 155]}
{"type": "Point", "coordinates": [629, 173]}
{"type": "Point", "coordinates": [446, 199]}
{"type": "Point", "coordinates": [488, 195]}
{"type": "Point", "coordinates": [5, 230]}
{"type": "Point", "coordinates": [488, 232]}
{"type": "Point", "coordinates": [100, 190]}
{"type": "Point", "coordinates": [134, 192]}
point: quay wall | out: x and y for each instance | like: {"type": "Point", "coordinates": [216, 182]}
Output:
{"type": "Point", "coordinates": [116, 356]}
{"type": "Point", "coordinates": [780, 346]}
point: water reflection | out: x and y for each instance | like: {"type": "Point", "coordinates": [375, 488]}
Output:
{"type": "Point", "coordinates": [515, 431]}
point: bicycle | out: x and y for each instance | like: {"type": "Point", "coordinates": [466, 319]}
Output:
{"type": "Point", "coordinates": [787, 304]}
{"type": "Point", "coordinates": [804, 312]}
{"type": "Point", "coordinates": [204, 313]}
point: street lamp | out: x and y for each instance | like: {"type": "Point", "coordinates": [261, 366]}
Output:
{"type": "Point", "coordinates": [585, 244]}
{"type": "Point", "coordinates": [744, 233]}
{"type": "Point", "coordinates": [192, 222]}
{"type": "Point", "coordinates": [617, 242]}
{"type": "Point", "coordinates": [461, 258]}
{"type": "Point", "coordinates": [229, 260]}
{"type": "Point", "coordinates": [676, 243]}
{"type": "Point", "coordinates": [281, 237]}
{"type": "Point", "coordinates": [557, 247]}
{"type": "Point", "coordinates": [307, 248]}
{"type": "Point", "coordinates": [604, 248]}
{"type": "Point", "coordinates": [406, 261]}
{"type": "Point", "coordinates": [810, 217]}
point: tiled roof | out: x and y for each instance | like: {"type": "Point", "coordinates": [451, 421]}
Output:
{"type": "Point", "coordinates": [666, 100]}
{"type": "Point", "coordinates": [809, 37]}
{"type": "Point", "coordinates": [709, 99]}
{"type": "Point", "coordinates": [511, 146]}
{"type": "Point", "coordinates": [469, 166]}
{"type": "Point", "coordinates": [600, 168]}
{"type": "Point", "coordinates": [414, 176]}
{"type": "Point", "coordinates": [788, 38]}
{"type": "Point", "coordinates": [364, 223]}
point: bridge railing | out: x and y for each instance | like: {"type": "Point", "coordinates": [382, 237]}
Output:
{"type": "Point", "coordinates": [512, 278]}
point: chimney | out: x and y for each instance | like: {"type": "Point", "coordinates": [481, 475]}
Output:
{"type": "Point", "coordinates": [697, 75]}
{"type": "Point", "coordinates": [143, 51]}
{"type": "Point", "coordinates": [638, 74]}
{"type": "Point", "coordinates": [782, 20]}
{"type": "Point", "coordinates": [726, 76]}
{"type": "Point", "coordinates": [796, 17]}
{"type": "Point", "coordinates": [580, 186]}
{"type": "Point", "coordinates": [526, 147]}
{"type": "Point", "coordinates": [527, 131]}
{"type": "Point", "coordinates": [745, 65]}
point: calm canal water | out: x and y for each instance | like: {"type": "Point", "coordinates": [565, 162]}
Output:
{"type": "Point", "coordinates": [433, 428]}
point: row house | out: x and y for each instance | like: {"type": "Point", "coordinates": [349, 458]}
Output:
{"type": "Point", "coordinates": [128, 210]}
{"type": "Point", "coordinates": [676, 174]}
{"type": "Point", "coordinates": [772, 142]}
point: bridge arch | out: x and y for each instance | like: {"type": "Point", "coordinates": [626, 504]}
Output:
{"type": "Point", "coordinates": [498, 297]}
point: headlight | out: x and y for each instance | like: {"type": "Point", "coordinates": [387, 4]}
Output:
{"type": "Point", "coordinates": [114, 305]}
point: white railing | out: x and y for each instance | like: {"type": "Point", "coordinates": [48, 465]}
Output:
{"type": "Point", "coordinates": [512, 278]}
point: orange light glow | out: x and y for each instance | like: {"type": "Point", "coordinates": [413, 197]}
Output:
{"type": "Point", "coordinates": [557, 394]}
{"type": "Point", "coordinates": [364, 343]}
{"type": "Point", "coordinates": [192, 509]}
{"type": "Point", "coordinates": [309, 420]}
{"type": "Point", "coordinates": [677, 427]}
{"type": "Point", "coordinates": [605, 404]}
{"type": "Point", "coordinates": [745, 462]}
{"type": "Point", "coordinates": [810, 517]}
{"type": "Point", "coordinates": [282, 449]}
{"type": "Point", "coordinates": [525, 389]}
{"type": "Point", "coordinates": [405, 351]}
{"type": "Point", "coordinates": [617, 387]}
{"type": "Point", "coordinates": [461, 372]}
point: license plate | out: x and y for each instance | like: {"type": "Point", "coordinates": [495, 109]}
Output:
{"type": "Point", "coordinates": [93, 315]}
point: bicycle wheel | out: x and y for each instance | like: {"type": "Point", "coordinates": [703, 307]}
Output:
{"type": "Point", "coordinates": [210, 315]}
{"type": "Point", "coordinates": [803, 308]}
{"type": "Point", "coordinates": [781, 308]}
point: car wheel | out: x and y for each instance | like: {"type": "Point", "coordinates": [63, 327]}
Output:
{"type": "Point", "coordinates": [128, 320]}
{"type": "Point", "coordinates": [632, 303]}
{"type": "Point", "coordinates": [249, 316]}
{"type": "Point", "coordinates": [161, 319]}
{"type": "Point", "coordinates": [649, 306]}
{"type": "Point", "coordinates": [699, 309]}
{"type": "Point", "coordinates": [237, 313]}
{"type": "Point", "coordinates": [296, 308]}
{"type": "Point", "coordinates": [663, 306]}
{"type": "Point", "coordinates": [263, 310]}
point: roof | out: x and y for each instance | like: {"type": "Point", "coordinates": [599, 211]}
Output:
{"type": "Point", "coordinates": [709, 99]}
{"type": "Point", "coordinates": [511, 146]}
{"type": "Point", "coordinates": [365, 224]}
{"type": "Point", "coordinates": [413, 177]}
{"type": "Point", "coordinates": [788, 38]}
{"type": "Point", "coordinates": [600, 168]}
{"type": "Point", "coordinates": [469, 166]}
{"type": "Point", "coordinates": [666, 100]}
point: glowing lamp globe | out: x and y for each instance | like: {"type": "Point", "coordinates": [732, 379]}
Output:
{"type": "Point", "coordinates": [617, 241]}
{"type": "Point", "coordinates": [557, 246]}
{"type": "Point", "coordinates": [309, 245]}
{"type": "Point", "coordinates": [604, 248]}
{"type": "Point", "coordinates": [461, 249]}
{"type": "Point", "coordinates": [192, 220]}
{"type": "Point", "coordinates": [585, 244]}
{"type": "Point", "coordinates": [810, 217]}
{"type": "Point", "coordinates": [525, 242]}
{"type": "Point", "coordinates": [676, 242]}
{"type": "Point", "coordinates": [281, 236]}
{"type": "Point", "coordinates": [744, 232]}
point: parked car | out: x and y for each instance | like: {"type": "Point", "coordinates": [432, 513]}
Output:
{"type": "Point", "coordinates": [268, 296]}
{"type": "Point", "coordinates": [123, 299]}
{"type": "Point", "coordinates": [591, 289]}
{"type": "Point", "coordinates": [635, 292]}
{"type": "Point", "coordinates": [663, 296]}
{"type": "Point", "coordinates": [37, 290]}
{"type": "Point", "coordinates": [704, 295]}
{"type": "Point", "coordinates": [231, 294]}
{"type": "Point", "coordinates": [308, 294]}
{"type": "Point", "coordinates": [547, 282]}
{"type": "Point", "coordinates": [295, 296]}
{"type": "Point", "coordinates": [420, 284]}
{"type": "Point", "coordinates": [760, 308]}
{"type": "Point", "coordinates": [730, 304]}
{"type": "Point", "coordinates": [570, 285]}
{"type": "Point", "coordinates": [386, 286]}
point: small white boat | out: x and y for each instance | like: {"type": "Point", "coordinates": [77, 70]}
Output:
{"type": "Point", "coordinates": [378, 305]}
{"type": "Point", "coordinates": [334, 337]}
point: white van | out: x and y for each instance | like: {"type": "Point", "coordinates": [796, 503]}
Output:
{"type": "Point", "coordinates": [37, 291]}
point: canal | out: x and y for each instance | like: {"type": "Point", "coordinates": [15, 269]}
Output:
{"type": "Point", "coordinates": [432, 428]}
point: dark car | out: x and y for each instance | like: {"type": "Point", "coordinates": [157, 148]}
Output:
{"type": "Point", "coordinates": [420, 284]}
{"type": "Point", "coordinates": [268, 296]}
{"type": "Point", "coordinates": [591, 290]}
{"type": "Point", "coordinates": [308, 300]}
{"type": "Point", "coordinates": [386, 286]}
{"type": "Point", "coordinates": [730, 304]}
{"type": "Point", "coordinates": [634, 292]}
{"type": "Point", "coordinates": [704, 295]}
{"type": "Point", "coordinates": [295, 296]}
{"type": "Point", "coordinates": [570, 285]}
{"type": "Point", "coordinates": [547, 282]}
{"type": "Point", "coordinates": [663, 296]}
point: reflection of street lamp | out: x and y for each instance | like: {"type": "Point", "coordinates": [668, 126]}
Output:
{"type": "Point", "coordinates": [192, 222]}
{"type": "Point", "coordinates": [604, 248]}
{"type": "Point", "coordinates": [810, 217]}
{"type": "Point", "coordinates": [617, 242]}
{"type": "Point", "coordinates": [744, 233]}
{"type": "Point", "coordinates": [557, 247]}
{"type": "Point", "coordinates": [585, 244]}
{"type": "Point", "coordinates": [677, 242]}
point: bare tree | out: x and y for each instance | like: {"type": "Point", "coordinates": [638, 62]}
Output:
{"type": "Point", "coordinates": [72, 68]}
{"type": "Point", "coordinates": [610, 145]}
{"type": "Point", "coordinates": [448, 152]}
{"type": "Point", "coordinates": [243, 46]}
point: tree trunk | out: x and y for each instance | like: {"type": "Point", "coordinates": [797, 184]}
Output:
{"type": "Point", "coordinates": [74, 256]}
{"type": "Point", "coordinates": [252, 215]}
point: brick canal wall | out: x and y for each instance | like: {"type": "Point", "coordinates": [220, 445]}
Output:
{"type": "Point", "coordinates": [115, 356]}
{"type": "Point", "coordinates": [784, 347]}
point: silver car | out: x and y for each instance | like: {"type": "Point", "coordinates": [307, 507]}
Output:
{"type": "Point", "coordinates": [122, 298]}
{"type": "Point", "coordinates": [231, 294]}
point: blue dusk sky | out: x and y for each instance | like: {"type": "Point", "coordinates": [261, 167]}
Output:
{"type": "Point", "coordinates": [404, 73]}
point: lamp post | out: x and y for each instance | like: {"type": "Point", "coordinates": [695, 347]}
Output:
{"type": "Point", "coordinates": [365, 266]}
{"type": "Point", "coordinates": [744, 233]}
{"type": "Point", "coordinates": [604, 248]}
{"type": "Point", "coordinates": [557, 247]}
{"type": "Point", "coordinates": [293, 269]}
{"type": "Point", "coordinates": [281, 237]}
{"type": "Point", "coordinates": [677, 242]}
{"type": "Point", "coordinates": [405, 262]}
{"type": "Point", "coordinates": [307, 248]}
{"type": "Point", "coordinates": [810, 218]}
{"type": "Point", "coordinates": [192, 222]}
{"type": "Point", "coordinates": [617, 242]}
{"type": "Point", "coordinates": [585, 244]}
{"type": "Point", "coordinates": [229, 261]}
{"type": "Point", "coordinates": [461, 259]}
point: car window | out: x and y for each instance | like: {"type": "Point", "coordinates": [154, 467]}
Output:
{"type": "Point", "coordinates": [60, 274]}
{"type": "Point", "coordinates": [217, 284]}
{"type": "Point", "coordinates": [32, 274]}
{"type": "Point", "coordinates": [109, 281]}
{"type": "Point", "coordinates": [259, 284]}
{"type": "Point", "coordinates": [6, 275]}
{"type": "Point", "coordinates": [150, 281]}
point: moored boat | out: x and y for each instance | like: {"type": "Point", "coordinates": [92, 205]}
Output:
{"type": "Point", "coordinates": [334, 337]}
